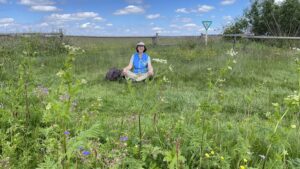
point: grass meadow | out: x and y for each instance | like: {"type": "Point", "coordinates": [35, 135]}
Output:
{"type": "Point", "coordinates": [207, 107]}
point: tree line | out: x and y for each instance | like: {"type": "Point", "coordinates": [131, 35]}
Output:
{"type": "Point", "coordinates": [268, 17]}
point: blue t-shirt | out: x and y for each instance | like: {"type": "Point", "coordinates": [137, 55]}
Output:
{"type": "Point", "coordinates": [140, 64]}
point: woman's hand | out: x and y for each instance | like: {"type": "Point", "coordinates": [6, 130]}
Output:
{"type": "Point", "coordinates": [150, 73]}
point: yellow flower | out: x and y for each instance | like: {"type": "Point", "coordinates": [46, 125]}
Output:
{"type": "Point", "coordinates": [242, 167]}
{"type": "Point", "coordinates": [207, 155]}
{"type": "Point", "coordinates": [222, 158]}
{"type": "Point", "coordinates": [293, 126]}
{"type": "Point", "coordinates": [212, 152]}
{"type": "Point", "coordinates": [245, 160]}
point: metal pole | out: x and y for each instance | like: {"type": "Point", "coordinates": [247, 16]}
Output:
{"type": "Point", "coordinates": [206, 38]}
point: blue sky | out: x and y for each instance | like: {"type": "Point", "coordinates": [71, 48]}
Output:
{"type": "Point", "coordinates": [118, 17]}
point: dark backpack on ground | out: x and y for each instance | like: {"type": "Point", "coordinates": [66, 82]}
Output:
{"type": "Point", "coordinates": [113, 74]}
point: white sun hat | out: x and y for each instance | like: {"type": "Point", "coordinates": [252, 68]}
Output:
{"type": "Point", "coordinates": [140, 44]}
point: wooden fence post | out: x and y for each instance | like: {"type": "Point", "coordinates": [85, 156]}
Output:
{"type": "Point", "coordinates": [61, 35]}
{"type": "Point", "coordinates": [234, 41]}
{"type": "Point", "coordinates": [155, 40]}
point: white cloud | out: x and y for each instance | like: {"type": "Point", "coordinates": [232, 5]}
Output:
{"type": "Point", "coordinates": [131, 9]}
{"type": "Point", "coordinates": [157, 29]}
{"type": "Point", "coordinates": [73, 17]}
{"type": "Point", "coordinates": [44, 24]}
{"type": "Point", "coordinates": [3, 1]}
{"type": "Point", "coordinates": [6, 20]}
{"type": "Point", "coordinates": [109, 24]}
{"type": "Point", "coordinates": [98, 18]}
{"type": "Point", "coordinates": [86, 14]}
{"type": "Point", "coordinates": [205, 8]}
{"type": "Point", "coordinates": [190, 25]}
{"type": "Point", "coordinates": [181, 10]}
{"type": "Point", "coordinates": [36, 2]}
{"type": "Point", "coordinates": [153, 16]}
{"type": "Point", "coordinates": [227, 2]}
{"type": "Point", "coordinates": [228, 18]}
{"type": "Point", "coordinates": [85, 25]}
{"type": "Point", "coordinates": [44, 8]}
{"type": "Point", "coordinates": [98, 27]}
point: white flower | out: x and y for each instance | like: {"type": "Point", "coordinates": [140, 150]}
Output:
{"type": "Point", "coordinates": [83, 81]}
{"type": "Point", "coordinates": [229, 67]}
{"type": "Point", "coordinates": [231, 52]}
{"type": "Point", "coordinates": [293, 126]}
{"type": "Point", "coordinates": [160, 60]}
{"type": "Point", "coordinates": [165, 79]}
{"type": "Point", "coordinates": [234, 61]}
{"type": "Point", "coordinates": [48, 107]}
{"type": "Point", "coordinates": [171, 68]}
{"type": "Point", "coordinates": [285, 152]}
{"type": "Point", "coordinates": [262, 157]}
{"type": "Point", "coordinates": [60, 73]}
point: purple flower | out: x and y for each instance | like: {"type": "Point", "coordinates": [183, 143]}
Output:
{"type": "Point", "coordinates": [86, 153]}
{"type": "Point", "coordinates": [67, 132]}
{"type": "Point", "coordinates": [123, 138]}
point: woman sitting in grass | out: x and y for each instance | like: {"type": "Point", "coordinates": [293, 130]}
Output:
{"type": "Point", "coordinates": [141, 64]}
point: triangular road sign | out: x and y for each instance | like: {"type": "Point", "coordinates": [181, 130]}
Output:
{"type": "Point", "coordinates": [206, 24]}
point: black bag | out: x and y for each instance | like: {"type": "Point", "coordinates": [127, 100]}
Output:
{"type": "Point", "coordinates": [113, 74]}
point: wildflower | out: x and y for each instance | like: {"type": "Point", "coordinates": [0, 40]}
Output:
{"type": "Point", "coordinates": [275, 104]}
{"type": "Point", "coordinates": [262, 157]}
{"type": "Point", "coordinates": [99, 99]}
{"type": "Point", "coordinates": [67, 132]}
{"type": "Point", "coordinates": [222, 158]}
{"type": "Point", "coordinates": [1, 106]}
{"type": "Point", "coordinates": [42, 91]}
{"type": "Point", "coordinates": [229, 67]}
{"type": "Point", "coordinates": [48, 107]}
{"type": "Point", "coordinates": [64, 97]}
{"type": "Point", "coordinates": [212, 152]}
{"type": "Point", "coordinates": [209, 69]}
{"type": "Point", "coordinates": [285, 152]}
{"type": "Point", "coordinates": [231, 52]}
{"type": "Point", "coordinates": [171, 68]}
{"type": "Point", "coordinates": [86, 153]}
{"type": "Point", "coordinates": [80, 148]}
{"type": "Point", "coordinates": [83, 81]}
{"type": "Point", "coordinates": [242, 167]}
{"type": "Point", "coordinates": [60, 73]}
{"type": "Point", "coordinates": [293, 126]}
{"type": "Point", "coordinates": [245, 160]}
{"type": "Point", "coordinates": [207, 155]}
{"type": "Point", "coordinates": [234, 61]}
{"type": "Point", "coordinates": [123, 138]}
{"type": "Point", "coordinates": [165, 79]}
{"type": "Point", "coordinates": [160, 60]}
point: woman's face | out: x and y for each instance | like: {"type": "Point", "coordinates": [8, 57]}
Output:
{"type": "Point", "coordinates": [141, 49]}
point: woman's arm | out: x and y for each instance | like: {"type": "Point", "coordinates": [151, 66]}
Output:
{"type": "Point", "coordinates": [130, 65]}
{"type": "Point", "coordinates": [150, 69]}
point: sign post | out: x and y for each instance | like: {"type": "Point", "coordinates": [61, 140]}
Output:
{"type": "Point", "coordinates": [206, 25]}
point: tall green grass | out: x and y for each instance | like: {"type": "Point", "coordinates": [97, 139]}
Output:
{"type": "Point", "coordinates": [204, 108]}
